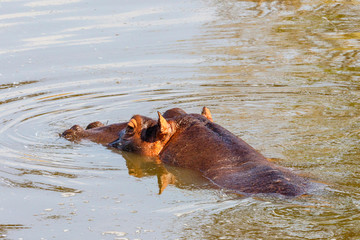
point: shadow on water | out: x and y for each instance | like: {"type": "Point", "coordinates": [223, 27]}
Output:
{"type": "Point", "coordinates": [140, 166]}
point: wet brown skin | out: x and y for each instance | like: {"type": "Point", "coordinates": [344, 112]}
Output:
{"type": "Point", "coordinates": [193, 141]}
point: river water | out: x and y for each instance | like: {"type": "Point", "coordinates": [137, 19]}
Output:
{"type": "Point", "coordinates": [283, 75]}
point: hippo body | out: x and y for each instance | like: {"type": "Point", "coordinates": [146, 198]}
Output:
{"type": "Point", "coordinates": [195, 142]}
{"type": "Point", "coordinates": [226, 160]}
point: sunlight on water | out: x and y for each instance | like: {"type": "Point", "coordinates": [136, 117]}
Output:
{"type": "Point", "coordinates": [23, 15]}
{"type": "Point", "coordinates": [282, 75]}
{"type": "Point", "coordinates": [50, 3]}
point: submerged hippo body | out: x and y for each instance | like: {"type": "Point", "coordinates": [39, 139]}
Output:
{"type": "Point", "coordinates": [194, 141]}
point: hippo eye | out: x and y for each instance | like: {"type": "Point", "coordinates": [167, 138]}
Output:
{"type": "Point", "coordinates": [131, 126]}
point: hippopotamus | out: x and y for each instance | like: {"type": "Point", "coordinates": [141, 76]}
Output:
{"type": "Point", "coordinates": [194, 141]}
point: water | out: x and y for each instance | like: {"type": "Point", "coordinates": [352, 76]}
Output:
{"type": "Point", "coordinates": [283, 75]}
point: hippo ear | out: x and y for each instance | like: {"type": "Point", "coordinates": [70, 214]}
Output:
{"type": "Point", "coordinates": [165, 127]}
{"type": "Point", "coordinates": [206, 113]}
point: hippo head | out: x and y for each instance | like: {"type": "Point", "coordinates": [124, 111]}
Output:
{"type": "Point", "coordinates": [147, 136]}
{"type": "Point", "coordinates": [144, 135]}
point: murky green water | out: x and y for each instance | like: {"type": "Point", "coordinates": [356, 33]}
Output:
{"type": "Point", "coordinates": [283, 75]}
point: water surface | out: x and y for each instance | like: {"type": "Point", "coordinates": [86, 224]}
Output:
{"type": "Point", "coordinates": [283, 75]}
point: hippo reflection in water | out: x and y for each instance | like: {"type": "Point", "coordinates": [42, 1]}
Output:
{"type": "Point", "coordinates": [194, 141]}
